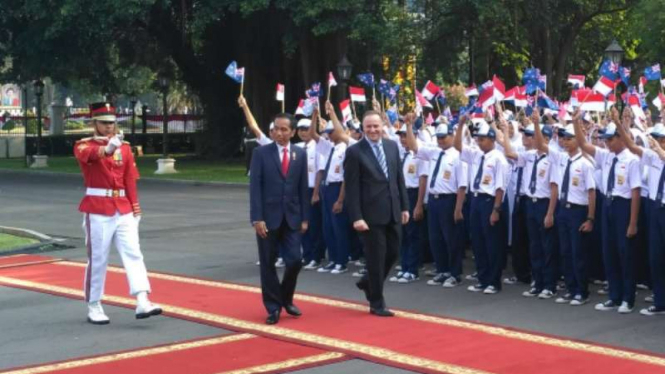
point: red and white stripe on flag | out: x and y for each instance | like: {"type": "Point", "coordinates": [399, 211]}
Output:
{"type": "Point", "coordinates": [430, 90]}
{"type": "Point", "coordinates": [659, 101]}
{"type": "Point", "coordinates": [636, 107]}
{"type": "Point", "coordinates": [486, 98]}
{"type": "Point", "coordinates": [331, 80]}
{"type": "Point", "coordinates": [604, 85]}
{"type": "Point", "coordinates": [592, 102]}
{"type": "Point", "coordinates": [576, 80]}
{"type": "Point", "coordinates": [471, 91]}
{"type": "Point", "coordinates": [280, 92]}
{"type": "Point", "coordinates": [357, 94]}
{"type": "Point", "coordinates": [299, 109]}
{"type": "Point", "coordinates": [499, 88]}
{"type": "Point", "coordinates": [347, 113]}
{"type": "Point", "coordinates": [422, 101]}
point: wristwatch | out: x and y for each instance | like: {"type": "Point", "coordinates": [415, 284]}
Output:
{"type": "Point", "coordinates": [497, 209]}
{"type": "Point", "coordinates": [590, 219]}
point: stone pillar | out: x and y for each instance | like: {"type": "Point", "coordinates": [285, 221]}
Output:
{"type": "Point", "coordinates": [57, 113]}
{"type": "Point", "coordinates": [165, 166]}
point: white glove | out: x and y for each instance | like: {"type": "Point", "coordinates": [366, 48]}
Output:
{"type": "Point", "coordinates": [138, 219]}
{"type": "Point", "coordinates": [114, 143]}
{"type": "Point", "coordinates": [120, 135]}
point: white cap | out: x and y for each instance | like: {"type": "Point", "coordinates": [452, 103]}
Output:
{"type": "Point", "coordinates": [443, 130]}
{"type": "Point", "coordinates": [658, 131]}
{"type": "Point", "coordinates": [484, 129]}
{"type": "Point", "coordinates": [355, 125]}
{"type": "Point", "coordinates": [304, 123]}
{"type": "Point", "coordinates": [272, 126]}
{"type": "Point", "coordinates": [569, 131]}
{"type": "Point", "coordinates": [401, 130]}
{"type": "Point", "coordinates": [329, 127]}
{"type": "Point", "coordinates": [609, 131]}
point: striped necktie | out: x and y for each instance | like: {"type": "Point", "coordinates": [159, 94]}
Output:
{"type": "Point", "coordinates": [378, 151]}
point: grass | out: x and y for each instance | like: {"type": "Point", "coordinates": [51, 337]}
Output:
{"type": "Point", "coordinates": [188, 167]}
{"type": "Point", "coordinates": [9, 242]}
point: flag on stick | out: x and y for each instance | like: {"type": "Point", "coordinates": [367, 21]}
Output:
{"type": "Point", "coordinates": [331, 83]}
{"type": "Point", "coordinates": [576, 80]}
{"type": "Point", "coordinates": [430, 90]}
{"type": "Point", "coordinates": [357, 94]}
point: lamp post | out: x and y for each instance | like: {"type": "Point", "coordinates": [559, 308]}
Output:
{"type": "Point", "coordinates": [344, 68]}
{"type": "Point", "coordinates": [24, 89]}
{"type": "Point", "coordinates": [132, 102]}
{"type": "Point", "coordinates": [165, 165]}
{"type": "Point", "coordinates": [614, 53]}
{"type": "Point", "coordinates": [39, 161]}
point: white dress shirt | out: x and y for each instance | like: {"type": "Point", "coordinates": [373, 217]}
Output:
{"type": "Point", "coordinates": [580, 178]}
{"type": "Point", "coordinates": [526, 159]}
{"type": "Point", "coordinates": [495, 173]}
{"type": "Point", "coordinates": [627, 174]}
{"type": "Point", "coordinates": [452, 173]}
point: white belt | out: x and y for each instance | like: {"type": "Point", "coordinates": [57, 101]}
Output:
{"type": "Point", "coordinates": [102, 192]}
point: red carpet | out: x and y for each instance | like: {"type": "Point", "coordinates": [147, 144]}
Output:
{"type": "Point", "coordinates": [413, 341]}
{"type": "Point", "coordinates": [238, 353]}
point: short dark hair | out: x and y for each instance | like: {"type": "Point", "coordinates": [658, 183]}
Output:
{"type": "Point", "coordinates": [292, 121]}
{"type": "Point", "coordinates": [371, 113]}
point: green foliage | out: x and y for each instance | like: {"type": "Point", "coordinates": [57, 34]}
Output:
{"type": "Point", "coordinates": [74, 125]}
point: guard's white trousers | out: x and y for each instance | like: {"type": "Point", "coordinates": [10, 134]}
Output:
{"type": "Point", "coordinates": [123, 231]}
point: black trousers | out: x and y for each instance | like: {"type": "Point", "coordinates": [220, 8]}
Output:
{"type": "Point", "coordinates": [276, 294]}
{"type": "Point", "coordinates": [519, 250]}
{"type": "Point", "coordinates": [381, 245]}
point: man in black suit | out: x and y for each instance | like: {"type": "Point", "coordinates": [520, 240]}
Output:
{"type": "Point", "coordinates": [279, 213]}
{"type": "Point", "coordinates": [377, 204]}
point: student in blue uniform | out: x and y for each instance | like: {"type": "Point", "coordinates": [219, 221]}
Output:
{"type": "Point", "coordinates": [621, 176]}
{"type": "Point", "coordinates": [447, 190]}
{"type": "Point", "coordinates": [573, 175]}
{"type": "Point", "coordinates": [490, 178]}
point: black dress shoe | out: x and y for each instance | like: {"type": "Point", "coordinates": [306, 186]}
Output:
{"type": "Point", "coordinates": [383, 312]}
{"type": "Point", "coordinates": [293, 310]}
{"type": "Point", "coordinates": [363, 287]}
{"type": "Point", "coordinates": [273, 318]}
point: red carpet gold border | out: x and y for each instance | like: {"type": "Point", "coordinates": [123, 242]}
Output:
{"type": "Point", "coordinates": [129, 355]}
{"type": "Point", "coordinates": [288, 364]}
{"type": "Point", "coordinates": [379, 353]}
{"type": "Point", "coordinates": [499, 331]}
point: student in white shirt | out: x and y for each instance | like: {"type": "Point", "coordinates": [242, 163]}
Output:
{"type": "Point", "coordinates": [622, 181]}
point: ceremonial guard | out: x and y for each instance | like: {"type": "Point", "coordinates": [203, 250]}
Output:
{"type": "Point", "coordinates": [111, 213]}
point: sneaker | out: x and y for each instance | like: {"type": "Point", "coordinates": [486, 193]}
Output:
{"type": "Point", "coordinates": [533, 292]}
{"type": "Point", "coordinates": [490, 290]}
{"type": "Point", "coordinates": [565, 299]}
{"type": "Point", "coordinates": [603, 291]}
{"type": "Point", "coordinates": [642, 286]}
{"type": "Point", "coordinates": [451, 282]}
{"type": "Point", "coordinates": [652, 311]}
{"type": "Point", "coordinates": [598, 282]}
{"type": "Point", "coordinates": [649, 299]}
{"type": "Point", "coordinates": [472, 277]}
{"type": "Point", "coordinates": [476, 288]}
{"type": "Point", "coordinates": [510, 280]}
{"type": "Point", "coordinates": [546, 294]}
{"type": "Point", "coordinates": [339, 269]}
{"type": "Point", "coordinates": [360, 262]}
{"type": "Point", "coordinates": [398, 267]}
{"type": "Point", "coordinates": [608, 305]}
{"type": "Point", "coordinates": [560, 286]}
{"type": "Point", "coordinates": [625, 308]}
{"type": "Point", "coordinates": [258, 263]}
{"type": "Point", "coordinates": [360, 273]}
{"type": "Point", "coordinates": [431, 273]}
{"type": "Point", "coordinates": [327, 268]}
{"type": "Point", "coordinates": [579, 300]}
{"type": "Point", "coordinates": [280, 263]}
{"type": "Point", "coordinates": [313, 265]}
{"type": "Point", "coordinates": [437, 280]}
{"type": "Point", "coordinates": [396, 277]}
{"type": "Point", "coordinates": [96, 314]}
{"type": "Point", "coordinates": [408, 278]}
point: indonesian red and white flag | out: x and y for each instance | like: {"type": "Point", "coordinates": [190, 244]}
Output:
{"type": "Point", "coordinates": [636, 107]}
{"type": "Point", "coordinates": [486, 98]}
{"type": "Point", "coordinates": [499, 88]}
{"type": "Point", "coordinates": [564, 112]}
{"type": "Point", "coordinates": [640, 86]}
{"type": "Point", "coordinates": [471, 91]}
{"type": "Point", "coordinates": [604, 85]}
{"type": "Point", "coordinates": [520, 98]}
{"type": "Point", "coordinates": [347, 113]}
{"type": "Point", "coordinates": [301, 106]}
{"type": "Point", "coordinates": [592, 102]}
{"type": "Point", "coordinates": [357, 94]}
{"type": "Point", "coordinates": [578, 96]}
{"type": "Point", "coordinates": [429, 120]}
{"type": "Point", "coordinates": [331, 80]}
{"type": "Point", "coordinates": [421, 103]}
{"type": "Point", "coordinates": [280, 92]}
{"type": "Point", "coordinates": [576, 80]}
{"type": "Point", "coordinates": [659, 101]}
{"type": "Point", "coordinates": [510, 94]}
{"type": "Point", "coordinates": [611, 100]}
{"type": "Point", "coordinates": [430, 90]}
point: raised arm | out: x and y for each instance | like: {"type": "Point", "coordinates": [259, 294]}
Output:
{"type": "Point", "coordinates": [458, 133]}
{"type": "Point", "coordinates": [541, 143]}
{"type": "Point", "coordinates": [314, 126]}
{"type": "Point", "coordinates": [623, 134]}
{"type": "Point", "coordinates": [581, 138]}
{"type": "Point", "coordinates": [410, 136]}
{"type": "Point", "coordinates": [338, 133]}
{"type": "Point", "coordinates": [251, 122]}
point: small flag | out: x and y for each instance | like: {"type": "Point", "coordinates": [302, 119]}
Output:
{"type": "Point", "coordinates": [578, 96]}
{"type": "Point", "coordinates": [280, 92]}
{"type": "Point", "coordinates": [486, 98]}
{"type": "Point", "coordinates": [604, 85]}
{"type": "Point", "coordinates": [235, 73]}
{"type": "Point", "coordinates": [531, 76]}
{"type": "Point", "coordinates": [652, 73]}
{"type": "Point", "coordinates": [314, 91]}
{"type": "Point", "coordinates": [545, 102]}
{"type": "Point", "coordinates": [624, 74]}
{"type": "Point", "coordinates": [430, 90]}
{"type": "Point", "coordinates": [429, 120]}
{"type": "Point", "coordinates": [299, 109]}
{"type": "Point", "coordinates": [384, 87]}
{"type": "Point", "coordinates": [392, 114]}
{"type": "Point", "coordinates": [441, 98]}
{"type": "Point", "coordinates": [576, 80]}
{"type": "Point", "coordinates": [345, 107]}
{"type": "Point", "coordinates": [306, 106]}
{"type": "Point", "coordinates": [659, 101]}
{"type": "Point", "coordinates": [499, 88]}
{"type": "Point", "coordinates": [367, 79]}
{"type": "Point", "coordinates": [636, 107]}
{"type": "Point", "coordinates": [643, 82]}
{"type": "Point", "coordinates": [471, 91]}
{"type": "Point", "coordinates": [593, 102]}
{"type": "Point", "coordinates": [609, 70]}
{"type": "Point", "coordinates": [422, 101]}
{"type": "Point", "coordinates": [331, 80]}
{"type": "Point", "coordinates": [357, 94]}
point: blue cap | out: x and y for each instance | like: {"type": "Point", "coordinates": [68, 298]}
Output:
{"type": "Point", "coordinates": [608, 132]}
{"type": "Point", "coordinates": [485, 130]}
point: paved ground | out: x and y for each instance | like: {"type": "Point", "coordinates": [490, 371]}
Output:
{"type": "Point", "coordinates": [204, 231]}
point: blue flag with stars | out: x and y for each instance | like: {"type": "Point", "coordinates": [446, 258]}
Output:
{"type": "Point", "coordinates": [609, 70]}
{"type": "Point", "coordinates": [652, 73]}
{"type": "Point", "coordinates": [367, 79]}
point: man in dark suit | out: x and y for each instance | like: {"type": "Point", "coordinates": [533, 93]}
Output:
{"type": "Point", "coordinates": [377, 204]}
{"type": "Point", "coordinates": [279, 214]}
